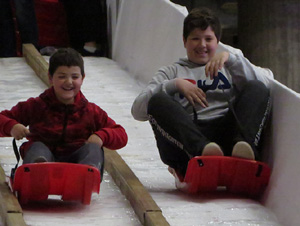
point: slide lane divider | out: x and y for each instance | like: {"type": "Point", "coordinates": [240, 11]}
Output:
{"type": "Point", "coordinates": [10, 210]}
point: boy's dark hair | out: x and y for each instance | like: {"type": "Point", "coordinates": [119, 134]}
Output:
{"type": "Point", "coordinates": [201, 18]}
{"type": "Point", "coordinates": [65, 57]}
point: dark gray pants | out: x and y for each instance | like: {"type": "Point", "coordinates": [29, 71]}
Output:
{"type": "Point", "coordinates": [179, 138]}
{"type": "Point", "coordinates": [89, 154]}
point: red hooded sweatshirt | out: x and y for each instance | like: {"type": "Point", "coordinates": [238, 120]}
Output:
{"type": "Point", "coordinates": [63, 128]}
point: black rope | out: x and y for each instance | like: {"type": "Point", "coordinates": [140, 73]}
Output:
{"type": "Point", "coordinates": [17, 154]}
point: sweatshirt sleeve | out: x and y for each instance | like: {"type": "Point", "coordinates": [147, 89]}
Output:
{"type": "Point", "coordinates": [18, 114]}
{"type": "Point", "coordinates": [113, 135]}
{"type": "Point", "coordinates": [239, 66]}
{"type": "Point", "coordinates": [163, 81]}
{"type": "Point", "coordinates": [6, 124]}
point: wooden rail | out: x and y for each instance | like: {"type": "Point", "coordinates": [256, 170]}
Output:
{"type": "Point", "coordinates": [10, 209]}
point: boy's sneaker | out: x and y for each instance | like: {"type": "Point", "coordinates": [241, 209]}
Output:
{"type": "Point", "coordinates": [243, 150]}
{"type": "Point", "coordinates": [212, 149]}
{"type": "Point", "coordinates": [180, 185]}
{"type": "Point", "coordinates": [40, 159]}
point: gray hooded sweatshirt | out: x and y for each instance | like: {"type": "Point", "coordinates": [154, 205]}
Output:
{"type": "Point", "coordinates": [236, 71]}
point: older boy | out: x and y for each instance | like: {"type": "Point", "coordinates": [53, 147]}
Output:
{"type": "Point", "coordinates": [206, 104]}
{"type": "Point", "coordinates": [63, 125]}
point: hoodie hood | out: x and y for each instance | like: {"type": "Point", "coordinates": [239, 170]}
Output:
{"type": "Point", "coordinates": [186, 62]}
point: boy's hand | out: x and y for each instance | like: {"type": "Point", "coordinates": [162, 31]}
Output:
{"type": "Point", "coordinates": [191, 92]}
{"type": "Point", "coordinates": [216, 63]}
{"type": "Point", "coordinates": [95, 139]}
{"type": "Point", "coordinates": [19, 131]}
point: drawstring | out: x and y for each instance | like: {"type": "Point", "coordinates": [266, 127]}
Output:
{"type": "Point", "coordinates": [195, 115]}
{"type": "Point", "coordinates": [231, 108]}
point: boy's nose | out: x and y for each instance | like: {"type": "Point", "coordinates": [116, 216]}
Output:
{"type": "Point", "coordinates": [202, 43]}
{"type": "Point", "coordinates": [69, 80]}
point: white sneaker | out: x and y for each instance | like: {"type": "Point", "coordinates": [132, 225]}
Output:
{"type": "Point", "coordinates": [212, 149]}
{"type": "Point", "coordinates": [180, 185]}
{"type": "Point", "coordinates": [243, 150]}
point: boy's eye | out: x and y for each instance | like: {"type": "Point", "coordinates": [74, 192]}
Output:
{"type": "Point", "coordinates": [210, 38]}
{"type": "Point", "coordinates": [75, 77]}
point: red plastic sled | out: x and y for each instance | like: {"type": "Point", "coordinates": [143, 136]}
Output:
{"type": "Point", "coordinates": [242, 176]}
{"type": "Point", "coordinates": [74, 182]}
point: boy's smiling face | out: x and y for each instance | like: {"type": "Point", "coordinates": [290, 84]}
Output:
{"type": "Point", "coordinates": [66, 82]}
{"type": "Point", "coordinates": [201, 45]}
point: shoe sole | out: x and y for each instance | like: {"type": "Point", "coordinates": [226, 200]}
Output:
{"type": "Point", "coordinates": [243, 150]}
{"type": "Point", "coordinates": [212, 149]}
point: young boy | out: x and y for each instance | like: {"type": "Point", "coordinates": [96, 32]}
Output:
{"type": "Point", "coordinates": [63, 125]}
{"type": "Point", "coordinates": [206, 104]}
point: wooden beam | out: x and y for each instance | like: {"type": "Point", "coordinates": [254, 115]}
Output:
{"type": "Point", "coordinates": [141, 201]}
{"type": "Point", "coordinates": [35, 60]}
{"type": "Point", "coordinates": [15, 219]}
{"type": "Point", "coordinates": [10, 210]}
{"type": "Point", "coordinates": [153, 218]}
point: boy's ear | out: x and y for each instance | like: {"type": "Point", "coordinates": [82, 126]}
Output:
{"type": "Point", "coordinates": [83, 76]}
{"type": "Point", "coordinates": [50, 78]}
{"type": "Point", "coordinates": [184, 41]}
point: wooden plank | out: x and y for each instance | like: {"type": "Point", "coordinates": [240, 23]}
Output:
{"type": "Point", "coordinates": [10, 210]}
{"type": "Point", "coordinates": [141, 201]}
{"type": "Point", "coordinates": [35, 60]}
{"type": "Point", "coordinates": [15, 219]}
{"type": "Point", "coordinates": [153, 218]}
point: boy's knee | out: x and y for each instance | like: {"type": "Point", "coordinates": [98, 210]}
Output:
{"type": "Point", "coordinates": [38, 145]}
{"type": "Point", "coordinates": [256, 88]}
{"type": "Point", "coordinates": [257, 85]}
{"type": "Point", "coordinates": [94, 149]}
{"type": "Point", "coordinates": [159, 99]}
{"type": "Point", "coordinates": [38, 152]}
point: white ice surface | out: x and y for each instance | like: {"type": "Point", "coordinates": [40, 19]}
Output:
{"type": "Point", "coordinates": [114, 90]}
